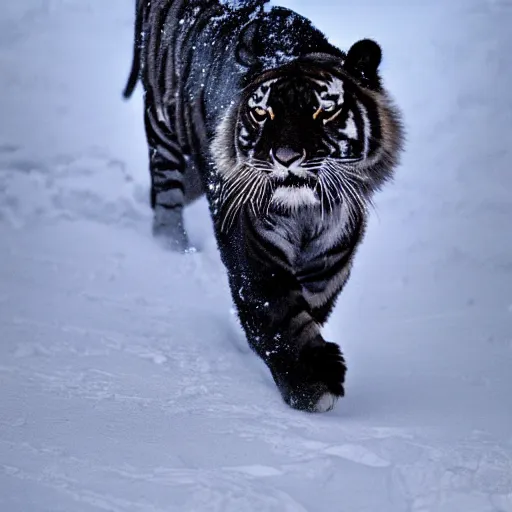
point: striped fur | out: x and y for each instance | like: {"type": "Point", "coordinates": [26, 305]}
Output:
{"type": "Point", "coordinates": [289, 137]}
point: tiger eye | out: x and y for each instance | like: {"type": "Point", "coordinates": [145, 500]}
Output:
{"type": "Point", "coordinates": [258, 114]}
{"type": "Point", "coordinates": [330, 108]}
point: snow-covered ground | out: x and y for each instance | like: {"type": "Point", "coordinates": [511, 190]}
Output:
{"type": "Point", "coordinates": [125, 385]}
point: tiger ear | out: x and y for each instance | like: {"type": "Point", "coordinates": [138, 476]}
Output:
{"type": "Point", "coordinates": [363, 59]}
{"type": "Point", "coordinates": [245, 50]}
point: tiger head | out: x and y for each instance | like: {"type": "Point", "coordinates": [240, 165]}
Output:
{"type": "Point", "coordinates": [315, 132]}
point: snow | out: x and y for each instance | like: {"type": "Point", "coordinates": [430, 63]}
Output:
{"type": "Point", "coordinates": [125, 383]}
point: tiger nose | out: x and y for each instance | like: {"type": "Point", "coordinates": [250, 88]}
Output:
{"type": "Point", "coordinates": [287, 156]}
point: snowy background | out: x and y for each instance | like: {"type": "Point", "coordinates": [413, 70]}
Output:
{"type": "Point", "coordinates": [124, 383]}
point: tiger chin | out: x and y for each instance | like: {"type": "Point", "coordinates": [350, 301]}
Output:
{"type": "Point", "coordinates": [289, 137]}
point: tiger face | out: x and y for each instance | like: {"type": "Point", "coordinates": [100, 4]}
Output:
{"type": "Point", "coordinates": [303, 131]}
{"type": "Point", "coordinates": [312, 134]}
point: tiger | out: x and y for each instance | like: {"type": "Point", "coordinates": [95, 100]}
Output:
{"type": "Point", "coordinates": [289, 138]}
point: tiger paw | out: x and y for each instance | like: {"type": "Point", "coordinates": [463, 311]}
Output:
{"type": "Point", "coordinates": [168, 228]}
{"type": "Point", "coordinates": [316, 381]}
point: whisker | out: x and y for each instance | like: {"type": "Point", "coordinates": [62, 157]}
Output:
{"type": "Point", "coordinates": [345, 199]}
{"type": "Point", "coordinates": [321, 194]}
{"type": "Point", "coordinates": [368, 201]}
{"type": "Point", "coordinates": [357, 205]}
{"type": "Point", "coordinates": [240, 187]}
{"type": "Point", "coordinates": [252, 195]}
{"type": "Point", "coordinates": [331, 189]}
{"type": "Point", "coordinates": [260, 163]}
{"type": "Point", "coordinates": [344, 160]}
{"type": "Point", "coordinates": [272, 188]}
{"type": "Point", "coordinates": [356, 176]}
{"type": "Point", "coordinates": [348, 194]}
{"type": "Point", "coordinates": [315, 167]}
{"type": "Point", "coordinates": [262, 193]}
{"type": "Point", "coordinates": [235, 185]}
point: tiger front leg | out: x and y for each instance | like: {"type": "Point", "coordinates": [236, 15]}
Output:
{"type": "Point", "coordinates": [167, 168]}
{"type": "Point", "coordinates": [280, 327]}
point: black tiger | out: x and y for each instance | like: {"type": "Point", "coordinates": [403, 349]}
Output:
{"type": "Point", "coordinates": [289, 137]}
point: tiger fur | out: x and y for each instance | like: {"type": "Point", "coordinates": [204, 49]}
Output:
{"type": "Point", "coordinates": [289, 137]}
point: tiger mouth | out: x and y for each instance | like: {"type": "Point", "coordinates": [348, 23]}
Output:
{"type": "Point", "coordinates": [294, 181]}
